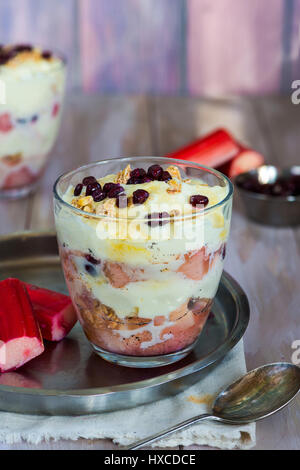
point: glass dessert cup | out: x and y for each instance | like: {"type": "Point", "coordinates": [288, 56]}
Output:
{"type": "Point", "coordinates": [31, 97]}
{"type": "Point", "coordinates": [143, 289]}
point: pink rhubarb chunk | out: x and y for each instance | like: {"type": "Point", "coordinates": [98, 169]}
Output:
{"type": "Point", "coordinates": [54, 311]}
{"type": "Point", "coordinates": [20, 336]}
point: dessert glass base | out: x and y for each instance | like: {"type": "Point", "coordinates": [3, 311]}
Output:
{"type": "Point", "coordinates": [143, 361]}
{"type": "Point", "coordinates": [18, 193]}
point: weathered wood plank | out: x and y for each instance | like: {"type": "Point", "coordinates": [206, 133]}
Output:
{"type": "Point", "coordinates": [131, 46]}
{"type": "Point", "coordinates": [234, 47]}
{"type": "Point", "coordinates": [93, 128]}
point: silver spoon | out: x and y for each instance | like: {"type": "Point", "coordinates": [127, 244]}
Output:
{"type": "Point", "coordinates": [256, 395]}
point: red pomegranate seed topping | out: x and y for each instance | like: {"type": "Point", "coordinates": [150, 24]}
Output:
{"type": "Point", "coordinates": [198, 199]}
{"type": "Point", "coordinates": [98, 195]}
{"type": "Point", "coordinates": [165, 176]}
{"type": "Point", "coordinates": [140, 196]}
{"type": "Point", "coordinates": [108, 186]}
{"type": "Point", "coordinates": [88, 180]}
{"type": "Point", "coordinates": [91, 187]}
{"type": "Point", "coordinates": [114, 192]}
{"type": "Point", "coordinates": [137, 173]}
{"type": "Point", "coordinates": [78, 189]}
{"type": "Point", "coordinates": [155, 172]}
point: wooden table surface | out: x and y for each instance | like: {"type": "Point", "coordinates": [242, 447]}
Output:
{"type": "Point", "coordinates": [264, 260]}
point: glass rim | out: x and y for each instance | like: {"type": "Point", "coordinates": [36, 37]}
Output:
{"type": "Point", "coordinates": [56, 53]}
{"type": "Point", "coordinates": [128, 159]}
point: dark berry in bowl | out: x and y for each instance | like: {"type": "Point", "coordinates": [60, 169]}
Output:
{"type": "Point", "coordinates": [133, 181]}
{"type": "Point", "coordinates": [91, 187]}
{"type": "Point", "coordinates": [78, 189]}
{"type": "Point", "coordinates": [140, 196]}
{"type": "Point", "coordinates": [165, 176]}
{"type": "Point", "coordinates": [145, 179]}
{"type": "Point", "coordinates": [98, 195]}
{"type": "Point", "coordinates": [155, 172]}
{"type": "Point", "coordinates": [90, 269]}
{"type": "Point", "coordinates": [137, 173]}
{"type": "Point", "coordinates": [89, 179]}
{"type": "Point", "coordinates": [108, 186]}
{"type": "Point", "coordinates": [22, 48]}
{"type": "Point", "coordinates": [199, 199]}
{"type": "Point", "coordinates": [47, 55]}
{"type": "Point", "coordinates": [114, 192]}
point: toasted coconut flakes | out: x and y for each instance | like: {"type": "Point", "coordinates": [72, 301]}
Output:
{"type": "Point", "coordinates": [107, 208]}
{"type": "Point", "coordinates": [174, 186]}
{"type": "Point", "coordinates": [174, 172]}
{"type": "Point", "coordinates": [124, 175]}
{"type": "Point", "coordinates": [84, 201]}
{"type": "Point", "coordinates": [187, 180]}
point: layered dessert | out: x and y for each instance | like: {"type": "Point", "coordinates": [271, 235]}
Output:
{"type": "Point", "coordinates": [32, 83]}
{"type": "Point", "coordinates": [142, 252]}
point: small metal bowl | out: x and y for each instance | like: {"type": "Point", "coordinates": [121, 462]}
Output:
{"type": "Point", "coordinates": [267, 209]}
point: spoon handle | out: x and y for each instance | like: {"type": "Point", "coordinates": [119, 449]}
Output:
{"type": "Point", "coordinates": [169, 431]}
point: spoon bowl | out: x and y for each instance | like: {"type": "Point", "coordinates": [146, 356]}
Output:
{"type": "Point", "coordinates": [258, 394]}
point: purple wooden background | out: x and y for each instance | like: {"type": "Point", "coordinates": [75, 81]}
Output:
{"type": "Point", "coordinates": [202, 47]}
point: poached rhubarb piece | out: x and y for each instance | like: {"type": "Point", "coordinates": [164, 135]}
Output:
{"type": "Point", "coordinates": [20, 336]}
{"type": "Point", "coordinates": [54, 311]}
{"type": "Point", "coordinates": [220, 150]}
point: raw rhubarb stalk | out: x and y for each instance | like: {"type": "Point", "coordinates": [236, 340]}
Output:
{"type": "Point", "coordinates": [54, 311]}
{"type": "Point", "coordinates": [20, 336]}
{"type": "Point", "coordinates": [246, 160]}
{"type": "Point", "coordinates": [220, 150]}
{"type": "Point", "coordinates": [213, 150]}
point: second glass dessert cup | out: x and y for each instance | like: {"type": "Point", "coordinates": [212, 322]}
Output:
{"type": "Point", "coordinates": [143, 287]}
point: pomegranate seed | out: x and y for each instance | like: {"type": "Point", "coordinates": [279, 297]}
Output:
{"type": "Point", "coordinates": [78, 189]}
{"type": "Point", "coordinates": [88, 180]}
{"type": "Point", "coordinates": [98, 195]}
{"type": "Point", "coordinates": [132, 181]}
{"type": "Point", "coordinates": [140, 196]}
{"type": "Point", "coordinates": [47, 55]}
{"type": "Point", "coordinates": [198, 200]}
{"type": "Point", "coordinates": [145, 179]}
{"type": "Point", "coordinates": [22, 48]}
{"type": "Point", "coordinates": [165, 176]}
{"type": "Point", "coordinates": [122, 201]}
{"type": "Point", "coordinates": [108, 186]}
{"type": "Point", "coordinates": [114, 192]}
{"type": "Point", "coordinates": [138, 173]}
{"type": "Point", "coordinates": [91, 259]}
{"type": "Point", "coordinates": [91, 187]}
{"type": "Point", "coordinates": [155, 172]}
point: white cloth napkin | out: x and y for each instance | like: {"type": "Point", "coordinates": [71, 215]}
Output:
{"type": "Point", "coordinates": [128, 426]}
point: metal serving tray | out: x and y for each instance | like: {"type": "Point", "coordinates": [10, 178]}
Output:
{"type": "Point", "coordinates": [70, 379]}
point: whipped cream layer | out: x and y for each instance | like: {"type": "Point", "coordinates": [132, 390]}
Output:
{"type": "Point", "coordinates": [163, 292]}
{"type": "Point", "coordinates": [131, 240]}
